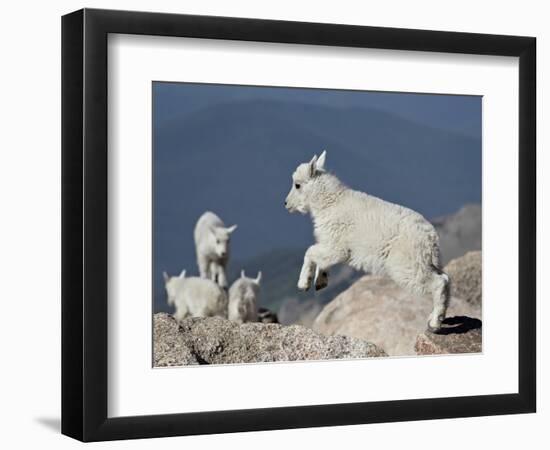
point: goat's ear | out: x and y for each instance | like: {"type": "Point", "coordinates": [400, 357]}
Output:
{"type": "Point", "coordinates": [320, 163]}
{"type": "Point", "coordinates": [165, 276]}
{"type": "Point", "coordinates": [182, 274]}
{"type": "Point", "coordinates": [242, 273]}
{"type": "Point", "coordinates": [231, 229]}
{"type": "Point", "coordinates": [312, 165]}
{"type": "Point", "coordinates": [259, 277]}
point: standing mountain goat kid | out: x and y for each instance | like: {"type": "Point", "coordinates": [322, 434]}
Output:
{"type": "Point", "coordinates": [195, 297]}
{"type": "Point", "coordinates": [244, 298]}
{"type": "Point", "coordinates": [212, 247]}
{"type": "Point", "coordinates": [369, 234]}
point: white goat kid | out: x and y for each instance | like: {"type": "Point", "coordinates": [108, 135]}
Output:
{"type": "Point", "coordinates": [195, 297]}
{"type": "Point", "coordinates": [369, 234]}
{"type": "Point", "coordinates": [212, 247]}
{"type": "Point", "coordinates": [244, 296]}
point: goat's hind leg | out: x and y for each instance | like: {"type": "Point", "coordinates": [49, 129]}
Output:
{"type": "Point", "coordinates": [441, 291]}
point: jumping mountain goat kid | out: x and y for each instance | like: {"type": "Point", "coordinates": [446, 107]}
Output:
{"type": "Point", "coordinates": [369, 234]}
{"type": "Point", "coordinates": [195, 297]}
{"type": "Point", "coordinates": [244, 296]}
{"type": "Point", "coordinates": [212, 247]}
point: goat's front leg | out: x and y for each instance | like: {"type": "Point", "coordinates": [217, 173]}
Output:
{"type": "Point", "coordinates": [221, 278]}
{"type": "Point", "coordinates": [181, 313]}
{"type": "Point", "coordinates": [204, 266]}
{"type": "Point", "coordinates": [317, 260]}
{"type": "Point", "coordinates": [217, 274]}
{"type": "Point", "coordinates": [213, 271]}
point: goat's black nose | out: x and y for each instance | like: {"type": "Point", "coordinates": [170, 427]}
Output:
{"type": "Point", "coordinates": [285, 202]}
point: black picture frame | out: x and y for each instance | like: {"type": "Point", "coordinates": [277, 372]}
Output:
{"type": "Point", "coordinates": [84, 224]}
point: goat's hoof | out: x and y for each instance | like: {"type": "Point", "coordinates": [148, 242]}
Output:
{"type": "Point", "coordinates": [434, 324]}
{"type": "Point", "coordinates": [434, 329]}
{"type": "Point", "coordinates": [304, 285]}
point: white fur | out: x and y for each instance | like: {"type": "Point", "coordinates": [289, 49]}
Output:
{"type": "Point", "coordinates": [195, 297]}
{"type": "Point", "coordinates": [367, 233]}
{"type": "Point", "coordinates": [212, 247]}
{"type": "Point", "coordinates": [244, 298]}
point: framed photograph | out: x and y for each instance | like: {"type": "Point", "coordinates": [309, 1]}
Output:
{"type": "Point", "coordinates": [272, 224]}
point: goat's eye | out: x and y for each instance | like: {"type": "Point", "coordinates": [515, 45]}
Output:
{"type": "Point", "coordinates": [297, 186]}
{"type": "Point", "coordinates": [217, 241]}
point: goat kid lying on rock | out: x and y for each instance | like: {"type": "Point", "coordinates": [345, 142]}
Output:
{"type": "Point", "coordinates": [195, 297]}
{"type": "Point", "coordinates": [369, 234]}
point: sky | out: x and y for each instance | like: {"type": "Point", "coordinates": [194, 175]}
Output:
{"type": "Point", "coordinates": [232, 150]}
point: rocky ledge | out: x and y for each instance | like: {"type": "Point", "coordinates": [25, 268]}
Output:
{"type": "Point", "coordinates": [459, 334]}
{"type": "Point", "coordinates": [215, 340]}
{"type": "Point", "coordinates": [465, 273]}
{"type": "Point", "coordinates": [376, 310]}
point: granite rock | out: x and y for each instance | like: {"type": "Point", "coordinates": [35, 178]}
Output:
{"type": "Point", "coordinates": [375, 309]}
{"type": "Point", "coordinates": [215, 340]}
{"type": "Point", "coordinates": [465, 274]}
{"type": "Point", "coordinates": [459, 334]}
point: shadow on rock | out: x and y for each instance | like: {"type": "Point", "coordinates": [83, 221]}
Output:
{"type": "Point", "coordinates": [459, 325]}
